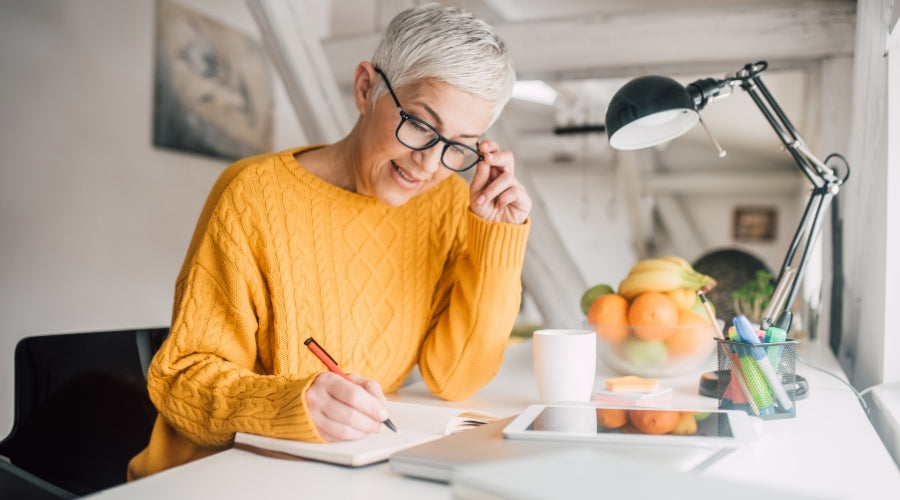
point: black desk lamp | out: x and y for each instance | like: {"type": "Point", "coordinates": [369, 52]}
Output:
{"type": "Point", "coordinates": [651, 110]}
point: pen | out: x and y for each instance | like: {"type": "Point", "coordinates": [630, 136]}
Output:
{"type": "Point", "coordinates": [333, 367]}
{"type": "Point", "coordinates": [709, 313]}
{"type": "Point", "coordinates": [746, 334]}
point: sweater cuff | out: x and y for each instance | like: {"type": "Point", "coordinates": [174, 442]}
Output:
{"type": "Point", "coordinates": [293, 419]}
{"type": "Point", "coordinates": [498, 244]}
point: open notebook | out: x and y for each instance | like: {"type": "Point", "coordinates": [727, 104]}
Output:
{"type": "Point", "coordinates": [416, 424]}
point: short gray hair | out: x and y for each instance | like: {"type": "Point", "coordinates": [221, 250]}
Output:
{"type": "Point", "coordinates": [447, 44]}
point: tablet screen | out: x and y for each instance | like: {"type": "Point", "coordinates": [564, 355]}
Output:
{"type": "Point", "coordinates": [565, 419]}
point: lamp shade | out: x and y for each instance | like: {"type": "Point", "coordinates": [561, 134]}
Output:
{"type": "Point", "coordinates": [648, 111]}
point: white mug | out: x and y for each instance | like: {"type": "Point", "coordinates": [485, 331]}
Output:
{"type": "Point", "coordinates": [565, 364]}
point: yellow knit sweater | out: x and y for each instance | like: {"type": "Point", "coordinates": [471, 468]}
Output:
{"type": "Point", "coordinates": [279, 255]}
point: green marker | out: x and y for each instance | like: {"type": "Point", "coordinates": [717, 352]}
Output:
{"type": "Point", "coordinates": [756, 382]}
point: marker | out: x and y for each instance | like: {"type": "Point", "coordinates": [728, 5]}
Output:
{"type": "Point", "coordinates": [333, 367]}
{"type": "Point", "coordinates": [753, 378]}
{"type": "Point", "coordinates": [746, 334]}
{"type": "Point", "coordinates": [738, 375]}
{"type": "Point", "coordinates": [775, 335]}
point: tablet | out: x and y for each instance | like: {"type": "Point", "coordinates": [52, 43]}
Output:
{"type": "Point", "coordinates": [560, 422]}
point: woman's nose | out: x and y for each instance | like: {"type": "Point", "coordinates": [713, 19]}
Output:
{"type": "Point", "coordinates": [430, 159]}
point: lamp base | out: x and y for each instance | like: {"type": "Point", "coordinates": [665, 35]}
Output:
{"type": "Point", "coordinates": [709, 384]}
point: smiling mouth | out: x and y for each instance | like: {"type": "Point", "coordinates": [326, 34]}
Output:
{"type": "Point", "coordinates": [403, 174]}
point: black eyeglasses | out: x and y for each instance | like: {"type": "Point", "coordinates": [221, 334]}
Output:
{"type": "Point", "coordinates": [419, 135]}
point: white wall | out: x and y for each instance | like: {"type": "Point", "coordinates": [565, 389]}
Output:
{"type": "Point", "coordinates": [892, 268]}
{"type": "Point", "coordinates": [871, 220]}
{"type": "Point", "coordinates": [586, 204]}
{"type": "Point", "coordinates": [94, 221]}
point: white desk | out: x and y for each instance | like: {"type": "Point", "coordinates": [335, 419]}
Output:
{"type": "Point", "coordinates": [830, 448]}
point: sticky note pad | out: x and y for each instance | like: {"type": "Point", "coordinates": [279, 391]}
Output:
{"type": "Point", "coordinates": [659, 397]}
{"type": "Point", "coordinates": [632, 383]}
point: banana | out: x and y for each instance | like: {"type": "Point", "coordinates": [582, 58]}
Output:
{"type": "Point", "coordinates": [678, 260]}
{"type": "Point", "coordinates": [648, 265]}
{"type": "Point", "coordinates": [708, 282]}
{"type": "Point", "coordinates": [656, 281]}
{"type": "Point", "coordinates": [663, 280]}
{"type": "Point", "coordinates": [672, 262]}
{"type": "Point", "coordinates": [664, 274]}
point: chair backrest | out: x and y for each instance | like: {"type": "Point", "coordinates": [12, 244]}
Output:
{"type": "Point", "coordinates": [81, 406]}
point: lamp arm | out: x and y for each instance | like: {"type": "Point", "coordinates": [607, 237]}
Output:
{"type": "Point", "coordinates": [823, 170]}
{"type": "Point", "coordinates": [825, 183]}
{"type": "Point", "coordinates": [787, 133]}
{"type": "Point", "coordinates": [809, 228]}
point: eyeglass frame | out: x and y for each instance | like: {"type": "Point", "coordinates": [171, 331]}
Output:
{"type": "Point", "coordinates": [405, 117]}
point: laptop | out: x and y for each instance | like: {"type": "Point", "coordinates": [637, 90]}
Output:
{"type": "Point", "coordinates": [438, 460]}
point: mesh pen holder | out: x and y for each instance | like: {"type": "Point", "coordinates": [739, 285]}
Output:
{"type": "Point", "coordinates": [760, 379]}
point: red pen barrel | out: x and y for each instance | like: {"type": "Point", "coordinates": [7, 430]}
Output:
{"type": "Point", "coordinates": [325, 358]}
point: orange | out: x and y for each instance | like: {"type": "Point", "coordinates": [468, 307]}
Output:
{"type": "Point", "coordinates": [654, 421]}
{"type": "Point", "coordinates": [694, 331]}
{"type": "Point", "coordinates": [608, 315]}
{"type": "Point", "coordinates": [612, 418]}
{"type": "Point", "coordinates": [654, 309]}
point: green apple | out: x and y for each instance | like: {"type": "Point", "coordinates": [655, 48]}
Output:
{"type": "Point", "coordinates": [591, 295]}
{"type": "Point", "coordinates": [644, 353]}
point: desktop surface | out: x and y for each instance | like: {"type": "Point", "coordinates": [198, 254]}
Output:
{"type": "Point", "coordinates": [829, 449]}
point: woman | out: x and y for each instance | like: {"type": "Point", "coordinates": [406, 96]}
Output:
{"type": "Point", "coordinates": [370, 245]}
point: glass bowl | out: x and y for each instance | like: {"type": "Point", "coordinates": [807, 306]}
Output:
{"type": "Point", "coordinates": [654, 351]}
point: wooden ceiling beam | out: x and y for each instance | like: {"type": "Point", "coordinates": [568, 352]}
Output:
{"type": "Point", "coordinates": [664, 41]}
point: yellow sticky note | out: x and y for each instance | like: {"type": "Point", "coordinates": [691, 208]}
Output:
{"type": "Point", "coordinates": [632, 383]}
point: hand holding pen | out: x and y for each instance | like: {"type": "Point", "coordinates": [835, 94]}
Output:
{"type": "Point", "coordinates": [341, 413]}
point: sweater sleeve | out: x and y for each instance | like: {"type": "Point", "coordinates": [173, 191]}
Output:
{"type": "Point", "coordinates": [207, 380]}
{"type": "Point", "coordinates": [476, 305]}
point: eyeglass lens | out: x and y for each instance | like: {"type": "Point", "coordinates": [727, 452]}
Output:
{"type": "Point", "coordinates": [416, 134]}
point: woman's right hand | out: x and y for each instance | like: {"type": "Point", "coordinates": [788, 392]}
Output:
{"type": "Point", "coordinates": [343, 410]}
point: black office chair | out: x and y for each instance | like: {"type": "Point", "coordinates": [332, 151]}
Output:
{"type": "Point", "coordinates": [81, 408]}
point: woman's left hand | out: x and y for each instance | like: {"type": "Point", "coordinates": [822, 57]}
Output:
{"type": "Point", "coordinates": [496, 194]}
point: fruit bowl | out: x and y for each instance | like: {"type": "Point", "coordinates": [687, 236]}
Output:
{"type": "Point", "coordinates": [656, 323]}
{"type": "Point", "coordinates": [654, 351]}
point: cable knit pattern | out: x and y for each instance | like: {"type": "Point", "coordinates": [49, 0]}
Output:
{"type": "Point", "coordinates": [279, 255]}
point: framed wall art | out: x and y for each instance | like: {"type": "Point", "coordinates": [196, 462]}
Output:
{"type": "Point", "coordinates": [213, 88]}
{"type": "Point", "coordinates": [754, 224]}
